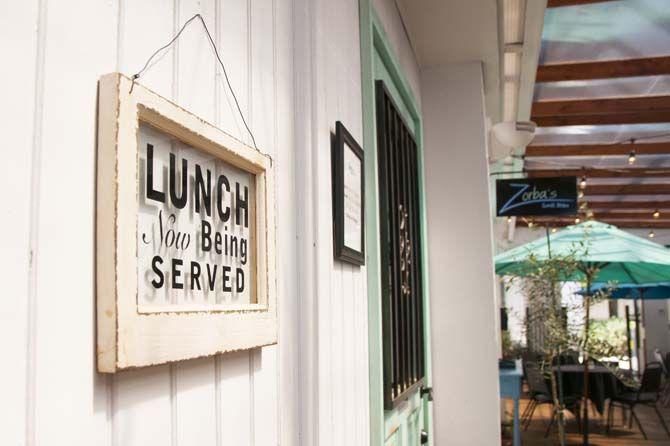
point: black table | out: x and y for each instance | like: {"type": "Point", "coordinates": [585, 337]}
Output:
{"type": "Point", "coordinates": [602, 383]}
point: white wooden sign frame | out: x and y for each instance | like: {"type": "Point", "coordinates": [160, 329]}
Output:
{"type": "Point", "coordinates": [128, 338]}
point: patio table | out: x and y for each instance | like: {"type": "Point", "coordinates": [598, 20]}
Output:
{"type": "Point", "coordinates": [510, 387]}
{"type": "Point", "coordinates": [602, 383]}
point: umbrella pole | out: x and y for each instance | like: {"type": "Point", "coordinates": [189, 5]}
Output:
{"type": "Point", "coordinates": [585, 402]}
{"type": "Point", "coordinates": [637, 337]}
{"type": "Point", "coordinates": [643, 325]}
{"type": "Point", "coordinates": [629, 341]}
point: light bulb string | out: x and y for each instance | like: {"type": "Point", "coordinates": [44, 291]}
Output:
{"type": "Point", "coordinates": [633, 152]}
{"type": "Point", "coordinates": [638, 138]}
{"type": "Point", "coordinates": [579, 167]}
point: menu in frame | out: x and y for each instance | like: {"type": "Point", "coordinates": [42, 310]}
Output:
{"type": "Point", "coordinates": [348, 198]}
{"type": "Point", "coordinates": [352, 200]}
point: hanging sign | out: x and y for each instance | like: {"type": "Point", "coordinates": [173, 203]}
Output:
{"type": "Point", "coordinates": [536, 196]}
{"type": "Point", "coordinates": [185, 234]}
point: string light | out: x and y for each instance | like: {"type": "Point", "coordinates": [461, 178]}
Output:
{"type": "Point", "coordinates": [656, 214]}
{"type": "Point", "coordinates": [582, 183]}
{"type": "Point", "coordinates": [580, 194]}
{"type": "Point", "coordinates": [631, 157]}
{"type": "Point", "coordinates": [509, 219]}
{"type": "Point", "coordinates": [651, 234]}
{"type": "Point", "coordinates": [530, 224]}
{"type": "Point", "coordinates": [553, 230]}
{"type": "Point", "coordinates": [577, 220]}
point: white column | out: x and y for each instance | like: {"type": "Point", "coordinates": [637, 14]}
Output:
{"type": "Point", "coordinates": [460, 243]}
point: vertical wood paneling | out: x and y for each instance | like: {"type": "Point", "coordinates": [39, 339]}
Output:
{"type": "Point", "coordinates": [305, 128]}
{"type": "Point", "coordinates": [265, 416]}
{"type": "Point", "coordinates": [338, 286]}
{"type": "Point", "coordinates": [196, 65]}
{"type": "Point", "coordinates": [65, 379]}
{"type": "Point", "coordinates": [287, 199]}
{"type": "Point", "coordinates": [348, 348]}
{"type": "Point", "coordinates": [348, 382]}
{"type": "Point", "coordinates": [235, 391]}
{"type": "Point", "coordinates": [143, 409]}
{"type": "Point", "coordinates": [262, 122]}
{"type": "Point", "coordinates": [358, 357]}
{"type": "Point", "coordinates": [233, 29]}
{"type": "Point", "coordinates": [19, 39]}
{"type": "Point", "coordinates": [361, 361]}
{"type": "Point", "coordinates": [235, 385]}
{"type": "Point", "coordinates": [342, 378]}
{"type": "Point", "coordinates": [262, 117]}
{"type": "Point", "coordinates": [147, 26]}
{"type": "Point", "coordinates": [335, 364]}
{"type": "Point", "coordinates": [195, 381]}
{"type": "Point", "coordinates": [196, 402]}
{"type": "Point", "coordinates": [236, 399]}
{"type": "Point", "coordinates": [325, 276]}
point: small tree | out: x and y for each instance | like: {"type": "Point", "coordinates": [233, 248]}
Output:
{"type": "Point", "coordinates": [543, 290]}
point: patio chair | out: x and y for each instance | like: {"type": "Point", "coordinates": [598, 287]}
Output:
{"type": "Point", "coordinates": [647, 394]}
{"type": "Point", "coordinates": [567, 358]}
{"type": "Point", "coordinates": [540, 394]}
{"type": "Point", "coordinates": [665, 394]}
{"type": "Point", "coordinates": [658, 357]}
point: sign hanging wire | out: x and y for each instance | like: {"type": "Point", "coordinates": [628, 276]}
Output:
{"type": "Point", "coordinates": [218, 57]}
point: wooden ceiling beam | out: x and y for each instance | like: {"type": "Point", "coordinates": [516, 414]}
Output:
{"type": "Point", "coordinates": [560, 3]}
{"type": "Point", "coordinates": [604, 119]}
{"type": "Point", "coordinates": [559, 223]}
{"type": "Point", "coordinates": [649, 66]}
{"type": "Point", "coordinates": [626, 189]}
{"type": "Point", "coordinates": [624, 172]}
{"type": "Point", "coordinates": [629, 215]}
{"type": "Point", "coordinates": [611, 215]}
{"type": "Point", "coordinates": [661, 148]}
{"type": "Point", "coordinates": [642, 104]}
{"type": "Point", "coordinates": [627, 110]}
{"type": "Point", "coordinates": [630, 204]}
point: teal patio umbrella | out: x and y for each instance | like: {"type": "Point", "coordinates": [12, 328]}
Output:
{"type": "Point", "coordinates": [644, 291]}
{"type": "Point", "coordinates": [605, 254]}
{"type": "Point", "coordinates": [619, 255]}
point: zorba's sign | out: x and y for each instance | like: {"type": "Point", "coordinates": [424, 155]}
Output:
{"type": "Point", "coordinates": [536, 196]}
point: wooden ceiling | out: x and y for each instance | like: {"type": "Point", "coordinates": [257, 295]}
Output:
{"type": "Point", "coordinates": [625, 193]}
{"type": "Point", "coordinates": [559, 3]}
{"type": "Point", "coordinates": [579, 71]}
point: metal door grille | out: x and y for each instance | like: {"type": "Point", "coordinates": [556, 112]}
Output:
{"type": "Point", "coordinates": [400, 240]}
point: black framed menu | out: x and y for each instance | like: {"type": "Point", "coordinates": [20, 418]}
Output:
{"type": "Point", "coordinates": [348, 197]}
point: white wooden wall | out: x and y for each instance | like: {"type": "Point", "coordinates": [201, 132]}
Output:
{"type": "Point", "coordinates": [333, 300]}
{"type": "Point", "coordinates": [310, 389]}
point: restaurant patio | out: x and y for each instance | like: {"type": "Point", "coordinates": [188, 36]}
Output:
{"type": "Point", "coordinates": [600, 100]}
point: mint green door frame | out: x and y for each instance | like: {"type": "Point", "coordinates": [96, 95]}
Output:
{"type": "Point", "coordinates": [374, 43]}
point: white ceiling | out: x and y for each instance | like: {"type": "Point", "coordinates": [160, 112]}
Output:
{"type": "Point", "coordinates": [452, 31]}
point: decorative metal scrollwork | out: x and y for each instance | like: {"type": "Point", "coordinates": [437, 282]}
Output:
{"type": "Point", "coordinates": [405, 251]}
